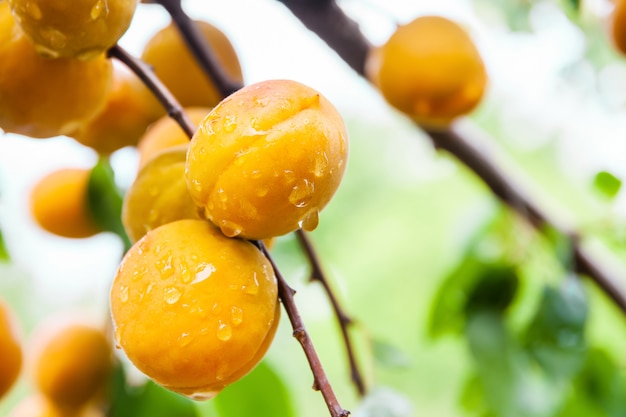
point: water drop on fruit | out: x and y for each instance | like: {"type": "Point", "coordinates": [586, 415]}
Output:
{"type": "Point", "coordinates": [230, 229]}
{"type": "Point", "coordinates": [236, 315]}
{"type": "Point", "coordinates": [100, 9]}
{"type": "Point", "coordinates": [252, 288]}
{"type": "Point", "coordinates": [229, 124]}
{"type": "Point", "coordinates": [124, 293]}
{"type": "Point", "coordinates": [224, 332]}
{"type": "Point", "coordinates": [203, 271]}
{"type": "Point", "coordinates": [302, 193]}
{"type": "Point", "coordinates": [321, 161]}
{"type": "Point", "coordinates": [203, 396]}
{"type": "Point", "coordinates": [33, 11]}
{"type": "Point", "coordinates": [171, 295]}
{"type": "Point", "coordinates": [262, 190]}
{"type": "Point", "coordinates": [310, 221]}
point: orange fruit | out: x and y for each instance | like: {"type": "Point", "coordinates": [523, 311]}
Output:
{"type": "Point", "coordinates": [10, 350]}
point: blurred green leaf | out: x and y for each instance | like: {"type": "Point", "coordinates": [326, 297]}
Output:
{"type": "Point", "coordinates": [105, 200]}
{"type": "Point", "coordinates": [390, 356]}
{"type": "Point", "coordinates": [260, 393]}
{"type": "Point", "coordinates": [495, 289]}
{"type": "Point", "coordinates": [385, 402]}
{"type": "Point", "coordinates": [555, 336]}
{"type": "Point", "coordinates": [607, 184]}
{"type": "Point", "coordinates": [4, 253]}
{"type": "Point", "coordinates": [148, 400]}
{"type": "Point", "coordinates": [560, 245]}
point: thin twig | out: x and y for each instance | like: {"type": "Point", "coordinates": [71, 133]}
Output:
{"type": "Point", "coordinates": [285, 292]}
{"type": "Point", "coordinates": [317, 274]}
{"type": "Point", "coordinates": [320, 382]}
{"type": "Point", "coordinates": [200, 48]}
{"type": "Point", "coordinates": [350, 44]}
{"type": "Point", "coordinates": [145, 73]}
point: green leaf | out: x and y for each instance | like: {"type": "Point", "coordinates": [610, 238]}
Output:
{"type": "Point", "coordinates": [495, 289]}
{"type": "Point", "coordinates": [148, 400]}
{"type": "Point", "coordinates": [555, 336]}
{"type": "Point", "coordinates": [390, 356]}
{"type": "Point", "coordinates": [105, 200]}
{"type": "Point", "coordinates": [607, 184]}
{"type": "Point", "coordinates": [4, 253]}
{"type": "Point", "coordinates": [260, 393]}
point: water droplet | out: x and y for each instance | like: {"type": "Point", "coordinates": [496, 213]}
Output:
{"type": "Point", "coordinates": [100, 9]}
{"type": "Point", "coordinates": [55, 38]}
{"type": "Point", "coordinates": [216, 308]}
{"type": "Point", "coordinates": [33, 10]}
{"type": "Point", "coordinates": [290, 176]}
{"type": "Point", "coordinates": [230, 229]}
{"type": "Point", "coordinates": [203, 271]}
{"type": "Point", "coordinates": [118, 338]}
{"type": "Point", "coordinates": [255, 174]}
{"type": "Point", "coordinates": [171, 295]}
{"type": "Point", "coordinates": [262, 190]}
{"type": "Point", "coordinates": [139, 273]}
{"type": "Point", "coordinates": [248, 210]}
{"type": "Point", "coordinates": [184, 340]}
{"type": "Point", "coordinates": [310, 221]}
{"type": "Point", "coordinates": [224, 332]}
{"type": "Point", "coordinates": [149, 289]}
{"type": "Point", "coordinates": [302, 193]}
{"type": "Point", "coordinates": [321, 161]}
{"type": "Point", "coordinates": [252, 288]}
{"type": "Point", "coordinates": [203, 395]}
{"type": "Point", "coordinates": [196, 185]}
{"type": "Point", "coordinates": [123, 293]}
{"type": "Point", "coordinates": [159, 247]}
{"type": "Point", "coordinates": [236, 315]}
{"type": "Point", "coordinates": [185, 273]}
{"type": "Point", "coordinates": [222, 196]}
{"type": "Point", "coordinates": [229, 124]}
{"type": "Point", "coordinates": [164, 265]}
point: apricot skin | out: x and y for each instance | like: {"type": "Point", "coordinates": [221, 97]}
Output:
{"type": "Point", "coordinates": [267, 159]}
{"type": "Point", "coordinates": [10, 350]}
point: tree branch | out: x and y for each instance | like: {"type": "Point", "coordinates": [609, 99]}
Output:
{"type": "Point", "coordinates": [352, 47]}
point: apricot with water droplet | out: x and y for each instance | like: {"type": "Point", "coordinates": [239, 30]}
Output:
{"type": "Point", "coordinates": [212, 329]}
{"type": "Point", "coordinates": [267, 159]}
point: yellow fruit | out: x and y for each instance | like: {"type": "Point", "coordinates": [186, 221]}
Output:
{"type": "Point", "coordinates": [166, 133]}
{"type": "Point", "coordinates": [122, 121]}
{"type": "Point", "coordinates": [192, 309]}
{"type": "Point", "coordinates": [42, 97]}
{"type": "Point", "coordinates": [72, 362]}
{"type": "Point", "coordinates": [59, 204]}
{"type": "Point", "coordinates": [267, 159]}
{"type": "Point", "coordinates": [78, 28]}
{"type": "Point", "coordinates": [617, 26]}
{"type": "Point", "coordinates": [10, 350]}
{"type": "Point", "coordinates": [177, 68]}
{"type": "Point", "coordinates": [159, 195]}
{"type": "Point", "coordinates": [430, 70]}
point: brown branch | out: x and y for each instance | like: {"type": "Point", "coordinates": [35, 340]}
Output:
{"type": "Point", "coordinates": [317, 274]}
{"type": "Point", "coordinates": [320, 382]}
{"type": "Point", "coordinates": [352, 47]}
{"type": "Point", "coordinates": [285, 293]}
{"type": "Point", "coordinates": [200, 48]}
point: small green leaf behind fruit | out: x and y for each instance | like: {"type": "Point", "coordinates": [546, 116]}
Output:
{"type": "Point", "coordinates": [607, 184]}
{"type": "Point", "coordinates": [4, 253]}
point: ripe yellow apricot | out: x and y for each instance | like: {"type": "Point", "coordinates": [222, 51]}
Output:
{"type": "Point", "coordinates": [122, 121]}
{"type": "Point", "coordinates": [192, 309]}
{"type": "Point", "coordinates": [166, 133]}
{"type": "Point", "coordinates": [10, 350]}
{"type": "Point", "coordinates": [80, 28]}
{"type": "Point", "coordinates": [170, 58]}
{"type": "Point", "coordinates": [72, 362]}
{"type": "Point", "coordinates": [267, 159]}
{"type": "Point", "coordinates": [429, 69]}
{"type": "Point", "coordinates": [42, 97]}
{"type": "Point", "coordinates": [37, 405]}
{"type": "Point", "coordinates": [159, 194]}
{"type": "Point", "coordinates": [59, 204]}
{"type": "Point", "coordinates": [617, 26]}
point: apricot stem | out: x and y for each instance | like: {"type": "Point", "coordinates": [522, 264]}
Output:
{"type": "Point", "coordinates": [317, 274]}
{"type": "Point", "coordinates": [320, 16]}
{"type": "Point", "coordinates": [320, 380]}
{"type": "Point", "coordinates": [199, 48]}
{"type": "Point", "coordinates": [145, 74]}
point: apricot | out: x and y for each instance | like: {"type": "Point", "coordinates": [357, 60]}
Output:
{"type": "Point", "coordinates": [617, 26]}
{"type": "Point", "coordinates": [59, 203]}
{"type": "Point", "coordinates": [42, 97]}
{"type": "Point", "coordinates": [215, 301]}
{"type": "Point", "coordinates": [122, 121]}
{"type": "Point", "coordinates": [178, 69]}
{"type": "Point", "coordinates": [267, 159]}
{"type": "Point", "coordinates": [166, 133]}
{"type": "Point", "coordinates": [37, 405]}
{"type": "Point", "coordinates": [159, 194]}
{"type": "Point", "coordinates": [72, 362]}
{"type": "Point", "coordinates": [10, 350]}
{"type": "Point", "coordinates": [80, 29]}
{"type": "Point", "coordinates": [430, 70]}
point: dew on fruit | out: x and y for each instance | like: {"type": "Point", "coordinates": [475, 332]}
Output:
{"type": "Point", "coordinates": [139, 273]}
{"type": "Point", "coordinates": [236, 315]}
{"type": "Point", "coordinates": [229, 124]}
{"type": "Point", "coordinates": [123, 293]}
{"type": "Point", "coordinates": [262, 190]}
{"type": "Point", "coordinates": [55, 38]}
{"type": "Point", "coordinates": [184, 339]}
{"type": "Point", "coordinates": [196, 185]}
{"type": "Point", "coordinates": [185, 273]}
{"type": "Point", "coordinates": [171, 295]}
{"type": "Point", "coordinates": [100, 9]}
{"type": "Point", "coordinates": [252, 287]}
{"type": "Point", "coordinates": [255, 174]}
{"type": "Point", "coordinates": [149, 289]}
{"type": "Point", "coordinates": [216, 308]}
{"type": "Point", "coordinates": [203, 395]}
{"type": "Point", "coordinates": [302, 193]}
{"type": "Point", "coordinates": [321, 161]}
{"type": "Point", "coordinates": [224, 332]}
{"type": "Point", "coordinates": [33, 10]}
{"type": "Point", "coordinates": [290, 176]}
{"type": "Point", "coordinates": [164, 266]}
{"type": "Point", "coordinates": [118, 338]}
{"type": "Point", "coordinates": [310, 221]}
{"type": "Point", "coordinates": [230, 229]}
{"type": "Point", "coordinates": [203, 271]}
{"type": "Point", "coordinates": [222, 196]}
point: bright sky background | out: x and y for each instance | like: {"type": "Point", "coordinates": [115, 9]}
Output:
{"type": "Point", "coordinates": [524, 71]}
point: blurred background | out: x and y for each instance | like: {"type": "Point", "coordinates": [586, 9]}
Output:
{"type": "Point", "coordinates": [404, 215]}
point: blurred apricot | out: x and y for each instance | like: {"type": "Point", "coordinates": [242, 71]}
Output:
{"type": "Point", "coordinates": [59, 203]}
{"type": "Point", "coordinates": [72, 361]}
{"type": "Point", "coordinates": [78, 29]}
{"type": "Point", "coordinates": [215, 300]}
{"type": "Point", "coordinates": [122, 121]}
{"type": "Point", "coordinates": [267, 159]}
{"type": "Point", "coordinates": [41, 97]}
{"type": "Point", "coordinates": [159, 194]}
{"type": "Point", "coordinates": [430, 70]}
{"type": "Point", "coordinates": [166, 133]}
{"type": "Point", "coordinates": [10, 349]}
{"type": "Point", "coordinates": [37, 405]}
{"type": "Point", "coordinates": [617, 26]}
{"type": "Point", "coordinates": [170, 58]}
